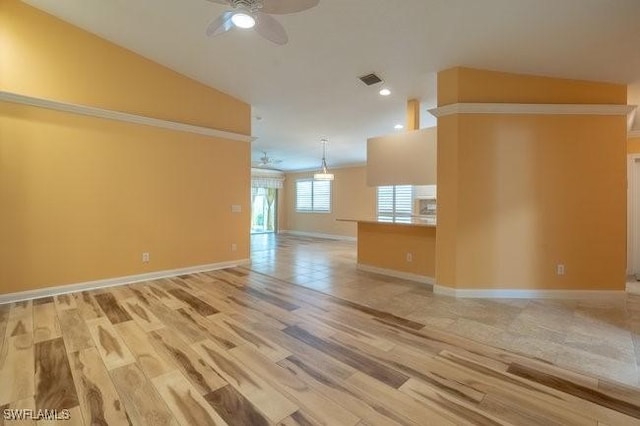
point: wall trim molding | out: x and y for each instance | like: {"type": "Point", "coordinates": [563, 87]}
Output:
{"type": "Point", "coordinates": [633, 286]}
{"type": "Point", "coordinates": [526, 293]}
{"type": "Point", "coordinates": [317, 235]}
{"type": "Point", "coordinates": [117, 281]}
{"type": "Point", "coordinates": [121, 116]}
{"type": "Point", "coordinates": [634, 133]}
{"type": "Point", "coordinates": [423, 279]}
{"type": "Point", "coordinates": [548, 109]}
{"type": "Point", "coordinates": [333, 167]}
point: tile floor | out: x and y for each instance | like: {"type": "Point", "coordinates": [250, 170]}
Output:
{"type": "Point", "coordinates": [598, 337]}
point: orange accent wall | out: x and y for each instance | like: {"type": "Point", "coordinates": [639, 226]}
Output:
{"type": "Point", "coordinates": [83, 197]}
{"type": "Point", "coordinates": [473, 85]}
{"type": "Point", "coordinates": [520, 194]}
{"type": "Point", "coordinates": [351, 199]}
{"type": "Point", "coordinates": [386, 246]}
{"type": "Point", "coordinates": [413, 115]}
{"type": "Point", "coordinates": [447, 197]}
{"type": "Point", "coordinates": [45, 57]}
{"type": "Point", "coordinates": [633, 146]}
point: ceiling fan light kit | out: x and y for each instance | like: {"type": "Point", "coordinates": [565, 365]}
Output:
{"type": "Point", "coordinates": [323, 174]}
{"type": "Point", "coordinates": [243, 20]}
{"type": "Point", "coordinates": [256, 15]}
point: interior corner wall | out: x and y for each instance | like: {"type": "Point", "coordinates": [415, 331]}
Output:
{"type": "Point", "coordinates": [447, 196]}
{"type": "Point", "coordinates": [519, 194]}
{"type": "Point", "coordinates": [351, 199]}
{"type": "Point", "coordinates": [83, 197]}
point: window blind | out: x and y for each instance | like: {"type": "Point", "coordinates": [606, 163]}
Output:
{"type": "Point", "coordinates": [395, 200]}
{"type": "Point", "coordinates": [313, 196]}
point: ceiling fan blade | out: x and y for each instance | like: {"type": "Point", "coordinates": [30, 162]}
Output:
{"type": "Point", "coordinates": [220, 25]}
{"type": "Point", "coordinates": [270, 29]}
{"type": "Point", "coordinates": [283, 7]}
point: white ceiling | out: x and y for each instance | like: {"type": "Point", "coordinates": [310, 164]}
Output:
{"type": "Point", "coordinates": [308, 89]}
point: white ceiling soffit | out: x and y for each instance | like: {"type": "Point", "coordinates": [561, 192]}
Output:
{"type": "Point", "coordinates": [308, 89]}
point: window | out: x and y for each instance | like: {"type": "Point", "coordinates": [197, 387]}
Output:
{"type": "Point", "coordinates": [396, 200]}
{"type": "Point", "coordinates": [313, 196]}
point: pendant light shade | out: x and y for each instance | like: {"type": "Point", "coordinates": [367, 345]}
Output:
{"type": "Point", "coordinates": [323, 174]}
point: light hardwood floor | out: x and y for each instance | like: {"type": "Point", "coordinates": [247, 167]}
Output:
{"type": "Point", "coordinates": [244, 348]}
{"type": "Point", "coordinates": [599, 337]}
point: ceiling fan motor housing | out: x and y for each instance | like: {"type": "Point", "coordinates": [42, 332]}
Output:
{"type": "Point", "coordinates": [249, 5]}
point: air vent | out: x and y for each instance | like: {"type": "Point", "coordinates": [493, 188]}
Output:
{"type": "Point", "coordinates": [370, 79]}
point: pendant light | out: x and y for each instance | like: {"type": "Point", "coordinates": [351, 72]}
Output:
{"type": "Point", "coordinates": [323, 174]}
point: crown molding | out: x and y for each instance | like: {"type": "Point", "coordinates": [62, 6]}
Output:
{"type": "Point", "coordinates": [544, 109]}
{"type": "Point", "coordinates": [256, 171]}
{"type": "Point", "coordinates": [338, 167]}
{"type": "Point", "coordinates": [120, 116]}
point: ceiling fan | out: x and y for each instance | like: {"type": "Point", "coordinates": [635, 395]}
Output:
{"type": "Point", "coordinates": [256, 14]}
{"type": "Point", "coordinates": [266, 162]}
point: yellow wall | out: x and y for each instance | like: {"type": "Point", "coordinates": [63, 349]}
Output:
{"type": "Point", "coordinates": [447, 201]}
{"type": "Point", "coordinates": [48, 58]}
{"type": "Point", "coordinates": [352, 199]}
{"type": "Point", "coordinates": [386, 246]}
{"type": "Point", "coordinates": [472, 85]}
{"type": "Point", "coordinates": [633, 146]}
{"type": "Point", "coordinates": [84, 197]}
{"type": "Point", "coordinates": [519, 194]}
{"type": "Point", "coordinates": [406, 158]}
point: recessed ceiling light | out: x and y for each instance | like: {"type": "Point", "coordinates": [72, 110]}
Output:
{"type": "Point", "coordinates": [398, 127]}
{"type": "Point", "coordinates": [385, 92]}
{"type": "Point", "coordinates": [243, 20]}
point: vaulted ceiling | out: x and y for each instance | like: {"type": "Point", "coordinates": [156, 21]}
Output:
{"type": "Point", "coordinates": [308, 89]}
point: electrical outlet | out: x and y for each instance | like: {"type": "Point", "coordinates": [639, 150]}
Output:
{"type": "Point", "coordinates": [145, 257]}
{"type": "Point", "coordinates": [409, 257]}
{"type": "Point", "coordinates": [560, 269]}
{"type": "Point", "coordinates": [234, 247]}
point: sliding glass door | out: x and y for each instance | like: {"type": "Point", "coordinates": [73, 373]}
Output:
{"type": "Point", "coordinates": [263, 210]}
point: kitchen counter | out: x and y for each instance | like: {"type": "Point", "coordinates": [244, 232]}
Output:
{"type": "Point", "coordinates": [400, 246]}
{"type": "Point", "coordinates": [399, 220]}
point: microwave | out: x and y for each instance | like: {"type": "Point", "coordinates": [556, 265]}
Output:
{"type": "Point", "coordinates": [426, 207]}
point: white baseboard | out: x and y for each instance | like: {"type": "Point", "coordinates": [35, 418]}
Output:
{"type": "Point", "coordinates": [633, 287]}
{"type": "Point", "coordinates": [526, 293]}
{"type": "Point", "coordinates": [318, 235]}
{"type": "Point", "coordinates": [396, 274]}
{"type": "Point", "coordinates": [112, 282]}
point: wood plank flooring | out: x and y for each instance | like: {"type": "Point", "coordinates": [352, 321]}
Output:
{"type": "Point", "coordinates": [239, 347]}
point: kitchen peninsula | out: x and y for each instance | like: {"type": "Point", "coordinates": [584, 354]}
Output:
{"type": "Point", "coordinates": [400, 246]}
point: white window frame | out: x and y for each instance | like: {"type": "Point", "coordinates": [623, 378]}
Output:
{"type": "Point", "coordinates": [313, 204]}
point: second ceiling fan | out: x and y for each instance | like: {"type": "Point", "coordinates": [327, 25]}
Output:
{"type": "Point", "coordinates": [256, 15]}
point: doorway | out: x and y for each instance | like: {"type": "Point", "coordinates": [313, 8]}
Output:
{"type": "Point", "coordinates": [264, 205]}
{"type": "Point", "coordinates": [633, 222]}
